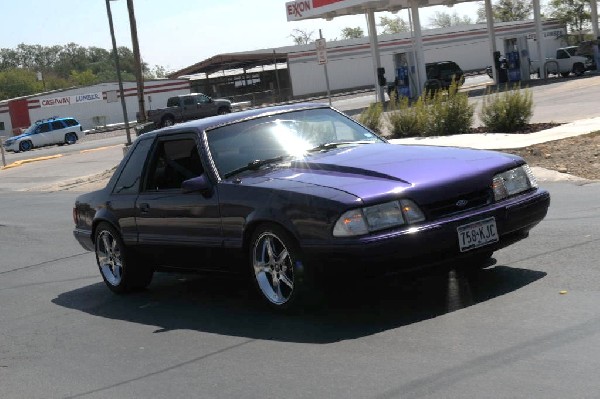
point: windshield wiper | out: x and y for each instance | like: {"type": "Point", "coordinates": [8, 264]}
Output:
{"type": "Point", "coordinates": [336, 144]}
{"type": "Point", "coordinates": [255, 165]}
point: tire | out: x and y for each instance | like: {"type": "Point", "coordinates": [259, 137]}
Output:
{"type": "Point", "coordinates": [70, 138]}
{"type": "Point", "coordinates": [223, 111]}
{"type": "Point", "coordinates": [278, 271]}
{"type": "Point", "coordinates": [121, 272]}
{"type": "Point", "coordinates": [565, 74]}
{"type": "Point", "coordinates": [167, 121]}
{"type": "Point", "coordinates": [578, 69]}
{"type": "Point", "coordinates": [25, 145]}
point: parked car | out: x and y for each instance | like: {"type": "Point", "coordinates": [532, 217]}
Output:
{"type": "Point", "coordinates": [44, 132]}
{"type": "Point", "coordinates": [290, 194]}
{"type": "Point", "coordinates": [188, 107]}
{"type": "Point", "coordinates": [440, 75]}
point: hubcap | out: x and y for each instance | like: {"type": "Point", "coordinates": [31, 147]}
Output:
{"type": "Point", "coordinates": [273, 268]}
{"type": "Point", "coordinates": [108, 254]}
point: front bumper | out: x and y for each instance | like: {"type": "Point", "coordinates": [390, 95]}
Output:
{"type": "Point", "coordinates": [14, 146]}
{"type": "Point", "coordinates": [84, 238]}
{"type": "Point", "coordinates": [435, 243]}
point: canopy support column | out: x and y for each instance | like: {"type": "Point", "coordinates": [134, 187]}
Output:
{"type": "Point", "coordinates": [379, 90]}
{"type": "Point", "coordinates": [418, 48]}
{"type": "Point", "coordinates": [539, 34]}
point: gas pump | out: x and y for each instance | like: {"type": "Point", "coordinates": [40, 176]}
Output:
{"type": "Point", "coordinates": [517, 58]}
{"type": "Point", "coordinates": [404, 79]}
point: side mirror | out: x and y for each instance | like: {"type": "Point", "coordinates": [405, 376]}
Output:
{"type": "Point", "coordinates": [197, 184]}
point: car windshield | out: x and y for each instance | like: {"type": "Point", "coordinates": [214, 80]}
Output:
{"type": "Point", "coordinates": [281, 136]}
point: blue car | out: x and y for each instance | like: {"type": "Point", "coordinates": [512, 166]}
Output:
{"type": "Point", "coordinates": [294, 195]}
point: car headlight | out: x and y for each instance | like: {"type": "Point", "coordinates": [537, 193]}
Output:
{"type": "Point", "coordinates": [377, 217]}
{"type": "Point", "coordinates": [513, 182]}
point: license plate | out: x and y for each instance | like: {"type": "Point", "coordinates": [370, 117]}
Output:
{"type": "Point", "coordinates": [477, 234]}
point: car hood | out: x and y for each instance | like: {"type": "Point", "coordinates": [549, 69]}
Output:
{"type": "Point", "coordinates": [373, 172]}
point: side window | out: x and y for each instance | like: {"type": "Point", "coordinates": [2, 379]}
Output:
{"type": "Point", "coordinates": [562, 54]}
{"type": "Point", "coordinates": [173, 162]}
{"type": "Point", "coordinates": [203, 99]}
{"type": "Point", "coordinates": [173, 102]}
{"type": "Point", "coordinates": [56, 125]}
{"type": "Point", "coordinates": [188, 101]}
{"type": "Point", "coordinates": [43, 128]}
{"type": "Point", "coordinates": [129, 180]}
{"type": "Point", "coordinates": [70, 122]}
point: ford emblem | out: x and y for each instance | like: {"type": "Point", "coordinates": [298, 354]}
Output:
{"type": "Point", "coordinates": [462, 203]}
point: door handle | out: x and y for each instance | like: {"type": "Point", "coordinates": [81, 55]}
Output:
{"type": "Point", "coordinates": [144, 207]}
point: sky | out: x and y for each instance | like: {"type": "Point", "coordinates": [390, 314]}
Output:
{"type": "Point", "coordinates": [177, 33]}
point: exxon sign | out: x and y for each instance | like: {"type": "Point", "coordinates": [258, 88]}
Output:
{"type": "Point", "coordinates": [300, 9]}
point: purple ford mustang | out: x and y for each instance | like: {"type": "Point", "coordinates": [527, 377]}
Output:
{"type": "Point", "coordinates": [290, 193]}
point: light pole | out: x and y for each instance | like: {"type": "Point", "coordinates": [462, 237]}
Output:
{"type": "Point", "coordinates": [114, 44]}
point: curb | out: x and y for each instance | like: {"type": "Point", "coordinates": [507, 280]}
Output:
{"type": "Point", "coordinates": [24, 161]}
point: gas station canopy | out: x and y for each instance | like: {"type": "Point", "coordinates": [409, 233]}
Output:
{"type": "Point", "coordinates": [328, 9]}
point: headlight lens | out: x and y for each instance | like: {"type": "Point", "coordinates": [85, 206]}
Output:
{"type": "Point", "coordinates": [377, 217]}
{"type": "Point", "coordinates": [513, 182]}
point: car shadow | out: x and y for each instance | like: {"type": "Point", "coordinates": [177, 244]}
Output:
{"type": "Point", "coordinates": [229, 306]}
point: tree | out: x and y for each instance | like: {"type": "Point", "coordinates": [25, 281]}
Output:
{"type": "Point", "coordinates": [352, 33]}
{"type": "Point", "coordinates": [393, 25]}
{"type": "Point", "coordinates": [301, 36]}
{"type": "Point", "coordinates": [575, 14]}
{"type": "Point", "coordinates": [507, 10]}
{"type": "Point", "coordinates": [445, 20]}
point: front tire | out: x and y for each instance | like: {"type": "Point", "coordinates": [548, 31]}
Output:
{"type": "Point", "coordinates": [120, 271]}
{"type": "Point", "coordinates": [277, 266]}
{"type": "Point", "coordinates": [25, 145]}
{"type": "Point", "coordinates": [578, 69]}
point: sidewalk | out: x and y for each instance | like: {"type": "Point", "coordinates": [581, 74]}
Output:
{"type": "Point", "coordinates": [504, 141]}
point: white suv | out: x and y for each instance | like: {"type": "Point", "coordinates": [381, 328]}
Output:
{"type": "Point", "coordinates": [46, 132]}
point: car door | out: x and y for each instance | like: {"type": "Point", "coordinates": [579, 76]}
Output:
{"type": "Point", "coordinates": [179, 229]}
{"type": "Point", "coordinates": [206, 106]}
{"type": "Point", "coordinates": [57, 134]}
{"type": "Point", "coordinates": [41, 135]}
{"type": "Point", "coordinates": [189, 108]}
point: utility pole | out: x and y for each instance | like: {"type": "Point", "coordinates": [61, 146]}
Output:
{"type": "Point", "coordinates": [114, 44]}
{"type": "Point", "coordinates": [138, 63]}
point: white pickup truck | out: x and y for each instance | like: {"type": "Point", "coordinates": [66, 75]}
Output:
{"type": "Point", "coordinates": [565, 62]}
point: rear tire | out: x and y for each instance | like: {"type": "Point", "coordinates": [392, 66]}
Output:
{"type": "Point", "coordinates": [120, 270]}
{"type": "Point", "coordinates": [223, 111]}
{"type": "Point", "coordinates": [70, 138]}
{"type": "Point", "coordinates": [565, 74]}
{"type": "Point", "coordinates": [167, 121]}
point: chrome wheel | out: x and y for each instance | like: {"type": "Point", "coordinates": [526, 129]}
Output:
{"type": "Point", "coordinates": [168, 122]}
{"type": "Point", "coordinates": [273, 268]}
{"type": "Point", "coordinates": [110, 261]}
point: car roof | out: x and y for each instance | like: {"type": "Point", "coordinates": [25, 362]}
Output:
{"type": "Point", "coordinates": [54, 118]}
{"type": "Point", "coordinates": [234, 117]}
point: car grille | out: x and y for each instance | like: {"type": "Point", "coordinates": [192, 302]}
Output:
{"type": "Point", "coordinates": [458, 204]}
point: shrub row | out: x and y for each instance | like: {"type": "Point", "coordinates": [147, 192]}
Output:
{"type": "Point", "coordinates": [448, 112]}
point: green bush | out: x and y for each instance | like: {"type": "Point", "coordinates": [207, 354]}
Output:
{"type": "Point", "coordinates": [507, 111]}
{"type": "Point", "coordinates": [438, 113]}
{"type": "Point", "coordinates": [406, 120]}
{"type": "Point", "coordinates": [371, 117]}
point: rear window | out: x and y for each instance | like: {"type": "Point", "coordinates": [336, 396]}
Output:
{"type": "Point", "coordinates": [173, 102]}
{"type": "Point", "coordinates": [70, 122]}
